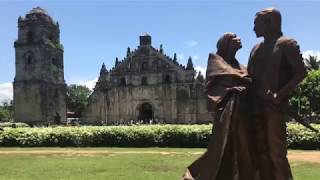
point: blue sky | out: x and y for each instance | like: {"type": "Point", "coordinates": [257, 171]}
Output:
{"type": "Point", "coordinates": [94, 32]}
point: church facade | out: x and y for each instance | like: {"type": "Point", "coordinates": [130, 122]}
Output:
{"type": "Point", "coordinates": [147, 85]}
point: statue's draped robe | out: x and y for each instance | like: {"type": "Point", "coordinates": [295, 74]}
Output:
{"type": "Point", "coordinates": [228, 153]}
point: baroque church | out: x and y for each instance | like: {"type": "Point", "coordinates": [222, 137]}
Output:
{"type": "Point", "coordinates": [147, 85]}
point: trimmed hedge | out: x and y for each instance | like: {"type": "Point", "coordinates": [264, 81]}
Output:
{"type": "Point", "coordinates": [10, 124]}
{"type": "Point", "coordinates": [135, 136]}
{"type": "Point", "coordinates": [298, 137]}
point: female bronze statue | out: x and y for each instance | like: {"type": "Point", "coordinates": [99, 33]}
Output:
{"type": "Point", "coordinates": [228, 155]}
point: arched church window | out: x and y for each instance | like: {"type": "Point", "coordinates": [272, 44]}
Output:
{"type": "Point", "coordinates": [144, 66]}
{"type": "Point", "coordinates": [122, 82]}
{"type": "Point", "coordinates": [155, 65]}
{"type": "Point", "coordinates": [167, 79]}
{"type": "Point", "coordinates": [144, 81]}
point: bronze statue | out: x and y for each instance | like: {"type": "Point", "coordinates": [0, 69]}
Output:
{"type": "Point", "coordinates": [229, 154]}
{"type": "Point", "coordinates": [276, 68]}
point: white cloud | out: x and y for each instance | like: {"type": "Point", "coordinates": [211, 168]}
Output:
{"type": "Point", "coordinates": [180, 56]}
{"type": "Point", "coordinates": [201, 69]}
{"type": "Point", "coordinates": [90, 83]}
{"type": "Point", "coordinates": [195, 57]}
{"type": "Point", "coordinates": [6, 92]}
{"type": "Point", "coordinates": [306, 54]}
{"type": "Point", "coordinates": [6, 89]}
{"type": "Point", "coordinates": [192, 43]}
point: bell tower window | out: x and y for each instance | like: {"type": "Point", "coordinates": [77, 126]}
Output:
{"type": "Point", "coordinates": [29, 59]}
{"type": "Point", "coordinates": [30, 36]}
{"type": "Point", "coordinates": [56, 93]}
{"type": "Point", "coordinates": [51, 37]}
{"type": "Point", "coordinates": [53, 61]}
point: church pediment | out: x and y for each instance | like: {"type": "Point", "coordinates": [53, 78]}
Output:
{"type": "Point", "coordinates": [147, 58]}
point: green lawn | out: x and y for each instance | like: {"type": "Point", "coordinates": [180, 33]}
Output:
{"type": "Point", "coordinates": [115, 163]}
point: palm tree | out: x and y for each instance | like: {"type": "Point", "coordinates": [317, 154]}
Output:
{"type": "Point", "coordinates": [312, 63]}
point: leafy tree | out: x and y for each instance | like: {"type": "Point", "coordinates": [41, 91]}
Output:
{"type": "Point", "coordinates": [306, 98]}
{"type": "Point", "coordinates": [77, 98]}
{"type": "Point", "coordinates": [312, 63]}
{"type": "Point", "coordinates": [6, 111]}
{"type": "Point", "coordinates": [299, 102]}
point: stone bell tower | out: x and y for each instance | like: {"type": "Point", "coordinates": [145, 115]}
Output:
{"type": "Point", "coordinates": [39, 85]}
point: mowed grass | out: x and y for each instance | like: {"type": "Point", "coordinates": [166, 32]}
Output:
{"type": "Point", "coordinates": [120, 163]}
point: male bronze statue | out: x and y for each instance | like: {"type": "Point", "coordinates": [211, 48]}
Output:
{"type": "Point", "coordinates": [276, 68]}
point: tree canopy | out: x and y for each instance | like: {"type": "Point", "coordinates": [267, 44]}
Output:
{"type": "Point", "coordinates": [77, 98]}
{"type": "Point", "coordinates": [312, 63]}
{"type": "Point", "coordinates": [6, 111]}
{"type": "Point", "coordinates": [306, 98]}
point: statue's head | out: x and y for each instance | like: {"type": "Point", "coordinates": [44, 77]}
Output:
{"type": "Point", "coordinates": [228, 43]}
{"type": "Point", "coordinates": [268, 21]}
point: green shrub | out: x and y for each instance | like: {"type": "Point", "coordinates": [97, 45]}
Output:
{"type": "Point", "coordinates": [10, 124]}
{"type": "Point", "coordinates": [135, 136]}
{"type": "Point", "coordinates": [298, 137]}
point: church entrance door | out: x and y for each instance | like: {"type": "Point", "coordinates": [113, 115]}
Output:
{"type": "Point", "coordinates": [145, 112]}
